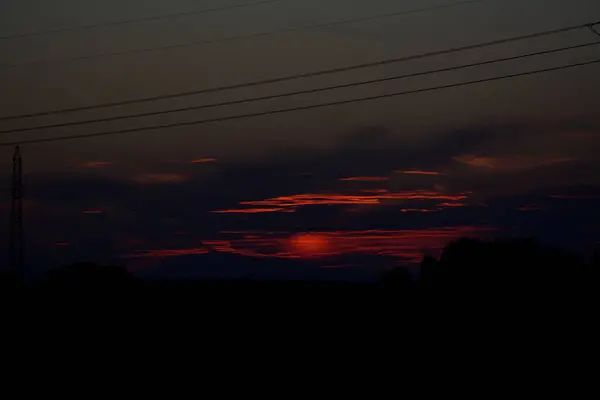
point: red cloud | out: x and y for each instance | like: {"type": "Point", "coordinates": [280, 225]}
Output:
{"type": "Point", "coordinates": [204, 160]}
{"type": "Point", "coordinates": [450, 205]}
{"type": "Point", "coordinates": [341, 199]}
{"type": "Point", "coordinates": [402, 244]}
{"type": "Point", "coordinates": [159, 179]}
{"type": "Point", "coordinates": [95, 164]}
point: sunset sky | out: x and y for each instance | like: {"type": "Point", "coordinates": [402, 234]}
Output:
{"type": "Point", "coordinates": [394, 178]}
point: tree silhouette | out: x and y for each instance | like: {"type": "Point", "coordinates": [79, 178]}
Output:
{"type": "Point", "coordinates": [89, 277]}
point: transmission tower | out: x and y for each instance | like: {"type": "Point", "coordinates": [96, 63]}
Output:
{"type": "Point", "coordinates": [15, 246]}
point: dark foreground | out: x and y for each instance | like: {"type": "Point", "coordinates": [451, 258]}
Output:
{"type": "Point", "coordinates": [505, 284]}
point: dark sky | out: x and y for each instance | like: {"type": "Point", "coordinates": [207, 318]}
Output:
{"type": "Point", "coordinates": [516, 158]}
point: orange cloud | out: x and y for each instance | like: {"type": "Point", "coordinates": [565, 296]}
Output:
{"type": "Point", "coordinates": [402, 244]}
{"type": "Point", "coordinates": [417, 172]}
{"type": "Point", "coordinates": [365, 179]}
{"type": "Point", "coordinates": [95, 164]}
{"type": "Point", "coordinates": [421, 210]}
{"type": "Point", "coordinates": [342, 199]}
{"type": "Point", "coordinates": [159, 179]}
{"type": "Point", "coordinates": [204, 160]}
{"type": "Point", "coordinates": [509, 163]}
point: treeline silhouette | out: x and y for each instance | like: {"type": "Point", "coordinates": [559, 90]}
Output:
{"type": "Point", "coordinates": [466, 265]}
{"type": "Point", "coordinates": [499, 270]}
{"type": "Point", "coordinates": [509, 284]}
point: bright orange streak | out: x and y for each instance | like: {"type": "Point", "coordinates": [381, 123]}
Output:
{"type": "Point", "coordinates": [95, 164]}
{"type": "Point", "coordinates": [204, 160]}
{"type": "Point", "coordinates": [366, 179]}
{"type": "Point", "coordinates": [340, 199]}
{"type": "Point", "coordinates": [417, 172]}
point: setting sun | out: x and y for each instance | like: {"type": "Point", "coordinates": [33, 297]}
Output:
{"type": "Point", "coordinates": [307, 245]}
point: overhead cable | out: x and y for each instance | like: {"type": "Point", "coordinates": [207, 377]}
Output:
{"type": "Point", "coordinates": [296, 93]}
{"type": "Point", "coordinates": [287, 110]}
{"type": "Point", "coordinates": [306, 75]}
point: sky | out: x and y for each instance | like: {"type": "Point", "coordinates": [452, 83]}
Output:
{"type": "Point", "coordinates": [333, 192]}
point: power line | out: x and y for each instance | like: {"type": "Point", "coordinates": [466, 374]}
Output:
{"type": "Point", "coordinates": [298, 76]}
{"type": "Point", "coordinates": [241, 37]}
{"type": "Point", "coordinates": [137, 20]}
{"type": "Point", "coordinates": [286, 110]}
{"type": "Point", "coordinates": [591, 26]}
{"type": "Point", "coordinates": [296, 93]}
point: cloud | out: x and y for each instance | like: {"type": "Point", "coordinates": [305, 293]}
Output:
{"type": "Point", "coordinates": [375, 198]}
{"type": "Point", "coordinates": [404, 245]}
{"type": "Point", "coordinates": [451, 205]}
{"type": "Point", "coordinates": [365, 179]}
{"type": "Point", "coordinates": [416, 172]}
{"type": "Point", "coordinates": [253, 211]}
{"type": "Point", "coordinates": [204, 160]}
{"type": "Point", "coordinates": [274, 192]}
{"type": "Point", "coordinates": [509, 163]}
